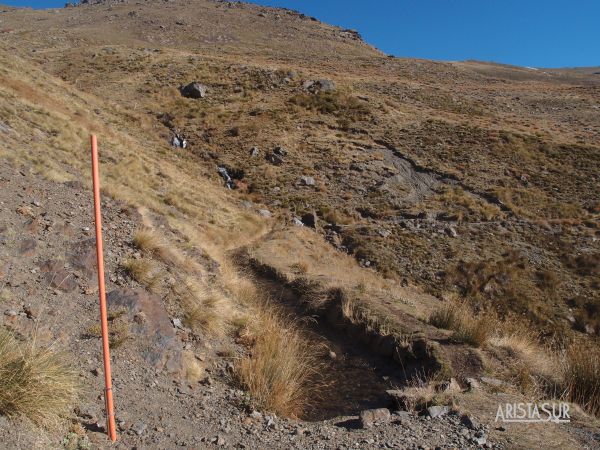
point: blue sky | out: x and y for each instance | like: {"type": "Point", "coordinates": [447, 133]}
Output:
{"type": "Point", "coordinates": [537, 33]}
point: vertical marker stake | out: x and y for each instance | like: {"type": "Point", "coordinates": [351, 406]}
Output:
{"type": "Point", "coordinates": [110, 415]}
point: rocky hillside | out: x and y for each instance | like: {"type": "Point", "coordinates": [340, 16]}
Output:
{"type": "Point", "coordinates": [299, 229]}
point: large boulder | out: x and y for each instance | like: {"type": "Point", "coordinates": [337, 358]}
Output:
{"type": "Point", "coordinates": [193, 90]}
{"type": "Point", "coordinates": [57, 276]}
{"type": "Point", "coordinates": [148, 319]}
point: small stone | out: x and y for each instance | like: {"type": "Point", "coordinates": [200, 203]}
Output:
{"type": "Point", "coordinates": [310, 219]}
{"type": "Point", "coordinates": [139, 318]}
{"type": "Point", "coordinates": [472, 384]}
{"type": "Point", "coordinates": [451, 231]}
{"type": "Point", "coordinates": [184, 390]}
{"type": "Point", "coordinates": [437, 411]}
{"type": "Point", "coordinates": [315, 86]}
{"type": "Point", "coordinates": [281, 151]}
{"type": "Point", "coordinates": [384, 233]}
{"type": "Point", "coordinates": [403, 415]}
{"type": "Point", "coordinates": [254, 151]}
{"type": "Point", "coordinates": [264, 212]}
{"type": "Point", "coordinates": [31, 311]}
{"type": "Point", "coordinates": [480, 440]}
{"type": "Point", "coordinates": [10, 313]}
{"type": "Point", "coordinates": [193, 90]}
{"type": "Point", "coordinates": [139, 428]}
{"type": "Point", "coordinates": [449, 386]}
{"type": "Point", "coordinates": [89, 290]}
{"type": "Point", "coordinates": [36, 203]}
{"type": "Point", "coordinates": [370, 417]}
{"type": "Point", "coordinates": [177, 323]}
{"type": "Point", "coordinates": [332, 355]}
{"type": "Point", "coordinates": [307, 181]}
{"type": "Point", "coordinates": [470, 422]}
{"type": "Point", "coordinates": [275, 159]}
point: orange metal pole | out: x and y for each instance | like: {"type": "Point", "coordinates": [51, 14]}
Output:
{"type": "Point", "coordinates": [110, 415]}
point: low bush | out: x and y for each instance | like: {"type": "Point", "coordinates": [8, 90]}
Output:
{"type": "Point", "coordinates": [582, 377]}
{"type": "Point", "coordinates": [281, 370]}
{"type": "Point", "coordinates": [36, 381]}
{"type": "Point", "coordinates": [468, 327]}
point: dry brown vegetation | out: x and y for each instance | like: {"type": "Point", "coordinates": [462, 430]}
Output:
{"type": "Point", "coordinates": [118, 329]}
{"type": "Point", "coordinates": [343, 106]}
{"type": "Point", "coordinates": [461, 206]}
{"type": "Point", "coordinates": [419, 393]}
{"type": "Point", "coordinates": [539, 371]}
{"type": "Point", "coordinates": [205, 311]}
{"type": "Point", "coordinates": [147, 240]}
{"type": "Point", "coordinates": [281, 370]}
{"type": "Point", "coordinates": [582, 377]}
{"type": "Point", "coordinates": [37, 382]}
{"type": "Point", "coordinates": [141, 270]}
{"type": "Point", "coordinates": [468, 327]}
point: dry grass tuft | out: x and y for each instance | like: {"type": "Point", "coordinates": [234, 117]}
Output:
{"type": "Point", "coordinates": [525, 346]}
{"type": "Point", "coordinates": [281, 369]}
{"type": "Point", "coordinates": [444, 317]}
{"type": "Point", "coordinates": [146, 239]}
{"type": "Point", "coordinates": [464, 206]}
{"type": "Point", "coordinates": [582, 377]}
{"type": "Point", "coordinates": [205, 310]}
{"type": "Point", "coordinates": [467, 326]}
{"type": "Point", "coordinates": [194, 371]}
{"type": "Point", "coordinates": [206, 315]}
{"type": "Point", "coordinates": [419, 394]}
{"type": "Point", "coordinates": [142, 271]}
{"type": "Point", "coordinates": [532, 366]}
{"type": "Point", "coordinates": [36, 381]}
{"type": "Point", "coordinates": [119, 333]}
{"type": "Point", "coordinates": [119, 330]}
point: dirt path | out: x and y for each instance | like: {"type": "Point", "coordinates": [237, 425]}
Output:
{"type": "Point", "coordinates": [354, 378]}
